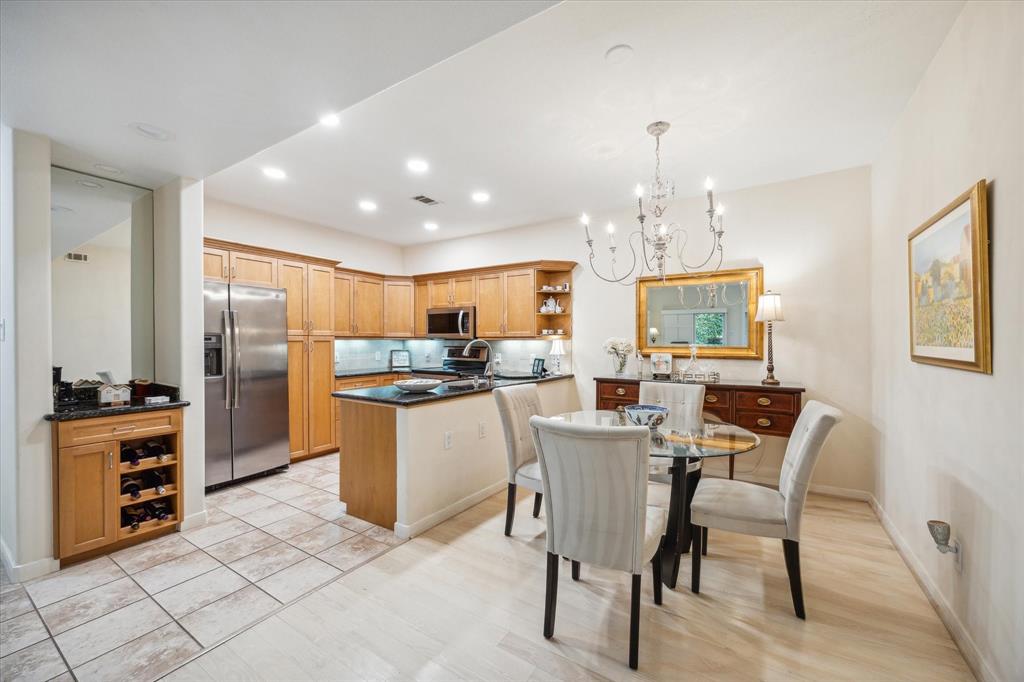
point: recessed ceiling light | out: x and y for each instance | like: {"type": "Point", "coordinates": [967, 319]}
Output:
{"type": "Point", "coordinates": [619, 54]}
{"type": "Point", "coordinates": [368, 206]}
{"type": "Point", "coordinates": [90, 184]}
{"type": "Point", "coordinates": [330, 120]}
{"type": "Point", "coordinates": [417, 165]}
{"type": "Point", "coordinates": [481, 197]}
{"type": "Point", "coordinates": [104, 168]}
{"type": "Point", "coordinates": [57, 208]}
{"type": "Point", "coordinates": [275, 173]}
{"type": "Point", "coordinates": [153, 132]}
{"type": "Point", "coordinates": [430, 227]}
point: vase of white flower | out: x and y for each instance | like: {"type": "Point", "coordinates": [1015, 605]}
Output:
{"type": "Point", "coordinates": [620, 350]}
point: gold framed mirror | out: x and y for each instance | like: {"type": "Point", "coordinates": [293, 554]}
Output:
{"type": "Point", "coordinates": [713, 310]}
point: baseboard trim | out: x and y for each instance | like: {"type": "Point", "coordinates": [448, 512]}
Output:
{"type": "Point", "coordinates": [976, 661]}
{"type": "Point", "coordinates": [193, 521]}
{"type": "Point", "coordinates": [406, 531]}
{"type": "Point", "coordinates": [20, 573]}
{"type": "Point", "coordinates": [830, 490]}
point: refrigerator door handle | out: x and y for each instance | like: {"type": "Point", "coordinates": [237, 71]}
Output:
{"type": "Point", "coordinates": [229, 362]}
{"type": "Point", "coordinates": [236, 348]}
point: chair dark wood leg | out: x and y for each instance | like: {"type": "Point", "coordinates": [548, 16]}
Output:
{"type": "Point", "coordinates": [537, 497]}
{"type": "Point", "coordinates": [575, 570]}
{"type": "Point", "coordinates": [551, 596]}
{"type": "Point", "coordinates": [510, 513]}
{"type": "Point", "coordinates": [695, 554]}
{"type": "Point", "coordinates": [656, 569]}
{"type": "Point", "coordinates": [704, 541]}
{"type": "Point", "coordinates": [791, 550]}
{"type": "Point", "coordinates": [634, 625]}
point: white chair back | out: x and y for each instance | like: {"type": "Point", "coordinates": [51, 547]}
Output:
{"type": "Point", "coordinates": [685, 402]}
{"type": "Point", "coordinates": [516, 404]}
{"type": "Point", "coordinates": [809, 433]}
{"type": "Point", "coordinates": [595, 491]}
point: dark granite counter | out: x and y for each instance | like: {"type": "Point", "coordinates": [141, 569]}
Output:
{"type": "Point", "coordinates": [389, 395]}
{"type": "Point", "coordinates": [88, 409]}
{"type": "Point", "coordinates": [345, 373]}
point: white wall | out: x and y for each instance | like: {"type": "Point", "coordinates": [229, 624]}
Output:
{"type": "Point", "coordinates": [8, 363]}
{"type": "Point", "coordinates": [258, 228]}
{"type": "Point", "coordinates": [949, 440]}
{"type": "Point", "coordinates": [91, 306]}
{"type": "Point", "coordinates": [811, 235]}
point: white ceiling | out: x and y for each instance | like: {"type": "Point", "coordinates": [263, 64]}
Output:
{"type": "Point", "coordinates": [755, 92]}
{"type": "Point", "coordinates": [226, 78]}
{"type": "Point", "coordinates": [81, 214]}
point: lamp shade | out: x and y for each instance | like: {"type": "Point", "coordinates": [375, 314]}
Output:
{"type": "Point", "coordinates": [769, 307]}
{"type": "Point", "coordinates": [557, 347]}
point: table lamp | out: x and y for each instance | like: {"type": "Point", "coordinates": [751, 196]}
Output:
{"type": "Point", "coordinates": [769, 310]}
{"type": "Point", "coordinates": [556, 353]}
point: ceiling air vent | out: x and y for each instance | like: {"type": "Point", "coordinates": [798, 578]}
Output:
{"type": "Point", "coordinates": [425, 200]}
{"type": "Point", "coordinates": [77, 257]}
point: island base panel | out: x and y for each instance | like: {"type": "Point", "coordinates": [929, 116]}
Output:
{"type": "Point", "coordinates": [368, 462]}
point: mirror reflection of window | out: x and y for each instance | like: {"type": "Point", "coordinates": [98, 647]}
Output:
{"type": "Point", "coordinates": [102, 277]}
{"type": "Point", "coordinates": [699, 314]}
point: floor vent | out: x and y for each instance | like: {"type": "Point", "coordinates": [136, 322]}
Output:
{"type": "Point", "coordinates": [77, 257]}
{"type": "Point", "coordinates": [425, 200]}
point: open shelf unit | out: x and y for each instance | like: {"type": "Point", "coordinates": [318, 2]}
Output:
{"type": "Point", "coordinates": [555, 321]}
{"type": "Point", "coordinates": [171, 443]}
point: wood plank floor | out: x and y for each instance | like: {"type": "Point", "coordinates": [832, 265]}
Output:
{"type": "Point", "coordinates": [463, 601]}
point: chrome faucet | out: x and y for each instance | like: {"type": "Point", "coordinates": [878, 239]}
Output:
{"type": "Point", "coordinates": [488, 370]}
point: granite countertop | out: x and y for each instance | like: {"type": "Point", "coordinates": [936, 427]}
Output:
{"type": "Point", "coordinates": [742, 383]}
{"type": "Point", "coordinates": [389, 395]}
{"type": "Point", "coordinates": [342, 373]}
{"type": "Point", "coordinates": [86, 409]}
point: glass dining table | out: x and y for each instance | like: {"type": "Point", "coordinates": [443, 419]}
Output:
{"type": "Point", "coordinates": [681, 441]}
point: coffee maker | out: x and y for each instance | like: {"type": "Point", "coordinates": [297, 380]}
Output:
{"type": "Point", "coordinates": [63, 391]}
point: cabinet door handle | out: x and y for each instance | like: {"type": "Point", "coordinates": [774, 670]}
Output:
{"type": "Point", "coordinates": [110, 459]}
{"type": "Point", "coordinates": [764, 422]}
{"type": "Point", "coordinates": [234, 272]}
{"type": "Point", "coordinates": [711, 398]}
{"type": "Point", "coordinates": [127, 428]}
{"type": "Point", "coordinates": [764, 401]}
{"type": "Point", "coordinates": [620, 391]}
{"type": "Point", "coordinates": [225, 272]}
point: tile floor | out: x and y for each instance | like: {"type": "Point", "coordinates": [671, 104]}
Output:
{"type": "Point", "coordinates": [140, 612]}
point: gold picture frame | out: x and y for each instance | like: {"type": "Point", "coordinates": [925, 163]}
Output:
{"type": "Point", "coordinates": [948, 278]}
{"type": "Point", "coordinates": [754, 280]}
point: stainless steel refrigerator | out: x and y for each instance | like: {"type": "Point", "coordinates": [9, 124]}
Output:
{"type": "Point", "coordinates": [246, 365]}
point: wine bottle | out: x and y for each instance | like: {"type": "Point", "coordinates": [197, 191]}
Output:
{"type": "Point", "coordinates": [154, 478]}
{"type": "Point", "coordinates": [130, 455]}
{"type": "Point", "coordinates": [155, 448]}
{"type": "Point", "coordinates": [130, 485]}
{"type": "Point", "coordinates": [134, 516]}
{"type": "Point", "coordinates": [158, 509]}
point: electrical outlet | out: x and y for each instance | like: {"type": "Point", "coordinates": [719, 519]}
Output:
{"type": "Point", "coordinates": [481, 429]}
{"type": "Point", "coordinates": [376, 356]}
{"type": "Point", "coordinates": [447, 440]}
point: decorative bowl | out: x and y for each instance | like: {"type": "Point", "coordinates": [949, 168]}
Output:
{"type": "Point", "coordinates": [651, 416]}
{"type": "Point", "coordinates": [417, 385]}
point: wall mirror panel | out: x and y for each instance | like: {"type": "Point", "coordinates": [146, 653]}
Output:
{"type": "Point", "coordinates": [102, 251]}
{"type": "Point", "coordinates": [714, 311]}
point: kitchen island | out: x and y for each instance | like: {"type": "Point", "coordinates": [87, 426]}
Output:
{"type": "Point", "coordinates": [411, 460]}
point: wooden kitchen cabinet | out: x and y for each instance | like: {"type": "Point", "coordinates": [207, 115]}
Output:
{"type": "Point", "coordinates": [216, 264]}
{"type": "Point", "coordinates": [343, 313]}
{"type": "Point", "coordinates": [368, 306]}
{"type": "Point", "coordinates": [421, 301]}
{"type": "Point", "coordinates": [298, 396]}
{"type": "Point", "coordinates": [398, 308]}
{"type": "Point", "coordinates": [254, 269]}
{"type": "Point", "coordinates": [505, 302]}
{"type": "Point", "coordinates": [88, 485]}
{"type": "Point", "coordinates": [320, 300]}
{"type": "Point", "coordinates": [450, 292]}
{"type": "Point", "coordinates": [320, 410]}
{"type": "Point", "coordinates": [291, 276]}
{"type": "Point", "coordinates": [440, 293]}
{"type": "Point", "coordinates": [490, 306]}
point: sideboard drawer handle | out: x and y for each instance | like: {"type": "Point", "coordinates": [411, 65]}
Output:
{"type": "Point", "coordinates": [620, 391]}
{"type": "Point", "coordinates": [764, 422]}
{"type": "Point", "coordinates": [711, 398]}
{"type": "Point", "coordinates": [764, 401]}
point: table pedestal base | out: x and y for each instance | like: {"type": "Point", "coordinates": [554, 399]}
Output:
{"type": "Point", "coordinates": [678, 531]}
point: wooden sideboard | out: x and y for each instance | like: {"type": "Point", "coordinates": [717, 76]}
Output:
{"type": "Point", "coordinates": [765, 410]}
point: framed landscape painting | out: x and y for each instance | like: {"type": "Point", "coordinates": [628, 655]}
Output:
{"type": "Point", "coordinates": [950, 312]}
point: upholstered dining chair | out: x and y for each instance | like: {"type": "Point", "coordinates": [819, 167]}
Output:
{"type": "Point", "coordinates": [752, 509]}
{"type": "Point", "coordinates": [595, 504]}
{"type": "Point", "coordinates": [516, 404]}
{"type": "Point", "coordinates": [685, 402]}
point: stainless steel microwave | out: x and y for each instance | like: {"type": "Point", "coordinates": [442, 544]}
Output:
{"type": "Point", "coordinates": [451, 323]}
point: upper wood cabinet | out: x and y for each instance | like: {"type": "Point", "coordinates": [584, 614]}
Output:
{"type": "Point", "coordinates": [320, 310]}
{"type": "Point", "coordinates": [440, 293]}
{"type": "Point", "coordinates": [398, 308]}
{"type": "Point", "coordinates": [449, 292]}
{"type": "Point", "coordinates": [343, 313]}
{"type": "Point", "coordinates": [88, 487]}
{"type": "Point", "coordinates": [421, 301]}
{"type": "Point", "coordinates": [368, 306]}
{"type": "Point", "coordinates": [504, 304]}
{"type": "Point", "coordinates": [250, 268]}
{"type": "Point", "coordinates": [490, 304]}
{"type": "Point", "coordinates": [216, 264]}
{"type": "Point", "coordinates": [291, 276]}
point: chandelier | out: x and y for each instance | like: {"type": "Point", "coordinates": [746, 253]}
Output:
{"type": "Point", "coordinates": [654, 242]}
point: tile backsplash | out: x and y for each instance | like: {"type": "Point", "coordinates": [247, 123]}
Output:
{"type": "Point", "coordinates": [515, 355]}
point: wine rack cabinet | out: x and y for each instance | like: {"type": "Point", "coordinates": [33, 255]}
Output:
{"type": "Point", "coordinates": [89, 516]}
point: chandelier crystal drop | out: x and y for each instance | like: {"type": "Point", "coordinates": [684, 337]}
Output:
{"type": "Point", "coordinates": [655, 243]}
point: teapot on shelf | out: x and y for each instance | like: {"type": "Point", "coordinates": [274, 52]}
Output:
{"type": "Point", "coordinates": [551, 305]}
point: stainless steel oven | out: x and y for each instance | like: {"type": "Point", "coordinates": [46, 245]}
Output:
{"type": "Point", "coordinates": [451, 323]}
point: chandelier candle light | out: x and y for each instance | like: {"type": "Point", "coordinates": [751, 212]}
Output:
{"type": "Point", "coordinates": [654, 245]}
